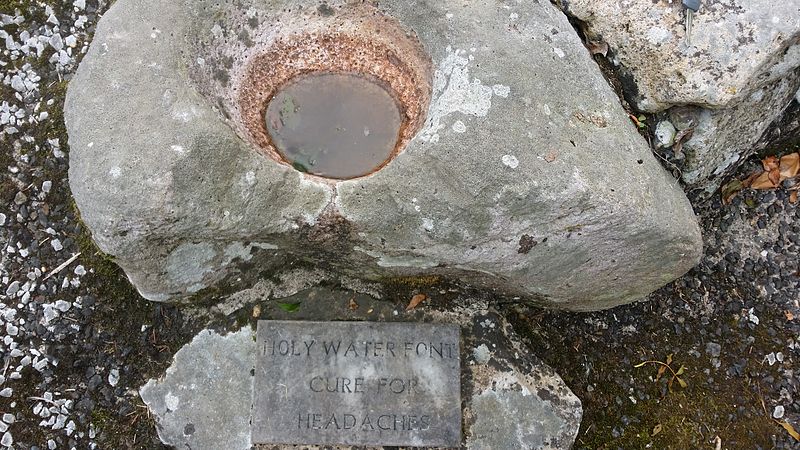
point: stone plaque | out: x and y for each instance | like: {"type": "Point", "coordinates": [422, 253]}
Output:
{"type": "Point", "coordinates": [357, 383]}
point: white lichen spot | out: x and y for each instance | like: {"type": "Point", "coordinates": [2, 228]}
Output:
{"type": "Point", "coordinates": [427, 224]}
{"type": "Point", "coordinates": [501, 90]}
{"type": "Point", "coordinates": [510, 161]}
{"type": "Point", "coordinates": [171, 401]}
{"type": "Point", "coordinates": [115, 172]}
{"type": "Point", "coordinates": [454, 91]}
{"type": "Point", "coordinates": [659, 35]}
{"type": "Point", "coordinates": [546, 109]}
{"type": "Point", "coordinates": [559, 52]}
{"type": "Point", "coordinates": [513, 16]}
{"type": "Point", "coordinates": [459, 127]}
{"type": "Point", "coordinates": [184, 115]}
{"type": "Point", "coordinates": [190, 262]}
{"type": "Point", "coordinates": [217, 31]}
{"type": "Point", "coordinates": [250, 178]}
{"type": "Point", "coordinates": [177, 149]}
{"type": "Point", "coordinates": [482, 354]}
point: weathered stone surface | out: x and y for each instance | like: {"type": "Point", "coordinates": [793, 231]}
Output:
{"type": "Point", "coordinates": [739, 72]}
{"type": "Point", "coordinates": [527, 176]}
{"type": "Point", "coordinates": [357, 383]}
{"type": "Point", "coordinates": [510, 398]}
{"type": "Point", "coordinates": [517, 402]}
{"type": "Point", "coordinates": [204, 399]}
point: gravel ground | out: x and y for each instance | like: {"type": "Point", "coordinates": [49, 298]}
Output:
{"type": "Point", "coordinates": [77, 341]}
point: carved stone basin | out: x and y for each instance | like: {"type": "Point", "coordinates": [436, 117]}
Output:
{"type": "Point", "coordinates": [513, 168]}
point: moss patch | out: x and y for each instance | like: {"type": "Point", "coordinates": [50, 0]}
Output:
{"type": "Point", "coordinates": [623, 404]}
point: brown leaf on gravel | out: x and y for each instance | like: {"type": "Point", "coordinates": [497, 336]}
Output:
{"type": "Point", "coordinates": [790, 429]}
{"type": "Point", "coordinates": [775, 171]}
{"type": "Point", "coordinates": [763, 181]}
{"type": "Point", "coordinates": [793, 197]}
{"type": "Point", "coordinates": [597, 47]}
{"type": "Point", "coordinates": [790, 165]}
{"type": "Point", "coordinates": [551, 156]}
{"type": "Point", "coordinates": [775, 176]}
{"type": "Point", "coordinates": [415, 301]}
{"type": "Point", "coordinates": [748, 182]}
{"type": "Point", "coordinates": [789, 315]}
{"type": "Point", "coordinates": [661, 371]}
{"type": "Point", "coordinates": [770, 162]}
{"type": "Point", "coordinates": [353, 305]}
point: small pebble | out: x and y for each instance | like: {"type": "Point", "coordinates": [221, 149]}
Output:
{"type": "Point", "coordinates": [665, 134]}
{"type": "Point", "coordinates": [7, 439]}
{"type": "Point", "coordinates": [20, 198]}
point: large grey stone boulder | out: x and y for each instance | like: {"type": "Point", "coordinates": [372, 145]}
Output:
{"type": "Point", "coordinates": [737, 74]}
{"type": "Point", "coordinates": [520, 170]}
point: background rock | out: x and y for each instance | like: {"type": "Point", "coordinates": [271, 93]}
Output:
{"type": "Point", "coordinates": [532, 182]}
{"type": "Point", "coordinates": [740, 71]}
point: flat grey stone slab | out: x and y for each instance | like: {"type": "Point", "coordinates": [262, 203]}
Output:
{"type": "Point", "coordinates": [357, 383]}
{"type": "Point", "coordinates": [206, 390]}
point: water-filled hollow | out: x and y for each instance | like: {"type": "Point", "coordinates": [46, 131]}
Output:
{"type": "Point", "coordinates": [334, 125]}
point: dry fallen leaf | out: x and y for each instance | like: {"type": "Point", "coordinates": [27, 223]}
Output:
{"type": "Point", "coordinates": [775, 176]}
{"type": "Point", "coordinates": [775, 171]}
{"type": "Point", "coordinates": [256, 311]}
{"type": "Point", "coordinates": [770, 162]}
{"type": "Point", "coordinates": [790, 429]}
{"type": "Point", "coordinates": [793, 197]}
{"type": "Point", "coordinates": [789, 315]}
{"type": "Point", "coordinates": [657, 429]}
{"type": "Point", "coordinates": [415, 301]}
{"type": "Point", "coordinates": [763, 181]}
{"type": "Point", "coordinates": [353, 305]}
{"type": "Point", "coordinates": [551, 156]}
{"type": "Point", "coordinates": [790, 165]}
{"type": "Point", "coordinates": [597, 47]}
{"type": "Point", "coordinates": [661, 371]}
{"type": "Point", "coordinates": [748, 182]}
